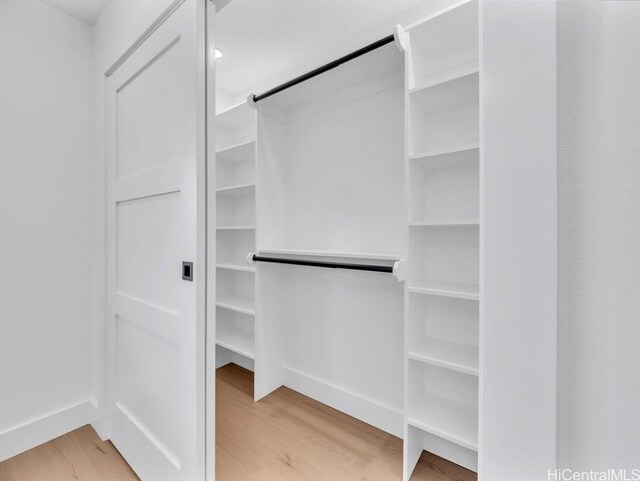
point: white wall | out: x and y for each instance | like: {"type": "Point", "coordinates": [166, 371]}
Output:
{"type": "Point", "coordinates": [599, 234]}
{"type": "Point", "coordinates": [46, 120]}
{"type": "Point", "coordinates": [518, 236]}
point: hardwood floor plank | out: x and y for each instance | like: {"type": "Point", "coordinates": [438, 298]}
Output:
{"type": "Point", "coordinates": [77, 456]}
{"type": "Point", "coordinates": [284, 437]}
{"type": "Point", "coordinates": [288, 436]}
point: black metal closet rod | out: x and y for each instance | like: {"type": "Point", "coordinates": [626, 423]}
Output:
{"type": "Point", "coordinates": [330, 265]}
{"type": "Point", "coordinates": [320, 70]}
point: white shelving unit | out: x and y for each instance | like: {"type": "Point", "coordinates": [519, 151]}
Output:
{"type": "Point", "coordinates": [442, 292]}
{"type": "Point", "coordinates": [235, 232]}
{"type": "Point", "coordinates": [381, 161]}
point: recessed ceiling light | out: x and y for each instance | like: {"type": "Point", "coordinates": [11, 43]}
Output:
{"type": "Point", "coordinates": [218, 53]}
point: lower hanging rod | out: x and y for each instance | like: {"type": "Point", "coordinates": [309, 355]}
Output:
{"type": "Point", "coordinates": [329, 265]}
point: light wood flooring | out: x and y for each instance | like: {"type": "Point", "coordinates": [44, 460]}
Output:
{"type": "Point", "coordinates": [284, 437]}
{"type": "Point", "coordinates": [77, 456]}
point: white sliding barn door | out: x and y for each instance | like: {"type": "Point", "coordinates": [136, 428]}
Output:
{"type": "Point", "coordinates": [156, 333]}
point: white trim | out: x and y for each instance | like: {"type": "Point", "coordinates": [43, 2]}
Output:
{"type": "Point", "coordinates": [33, 433]}
{"type": "Point", "coordinates": [157, 443]}
{"type": "Point", "coordinates": [366, 409]}
{"type": "Point", "coordinates": [209, 336]}
{"type": "Point", "coordinates": [151, 317]}
{"type": "Point", "coordinates": [145, 35]}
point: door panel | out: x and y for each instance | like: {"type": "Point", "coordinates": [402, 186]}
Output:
{"type": "Point", "coordinates": [149, 274]}
{"type": "Point", "coordinates": [150, 133]}
{"type": "Point", "coordinates": [155, 321]}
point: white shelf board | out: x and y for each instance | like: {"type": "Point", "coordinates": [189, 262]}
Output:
{"type": "Point", "coordinates": [437, 14]}
{"type": "Point", "coordinates": [450, 150]}
{"type": "Point", "coordinates": [445, 223]}
{"type": "Point", "coordinates": [337, 254]}
{"type": "Point", "coordinates": [236, 340]}
{"type": "Point", "coordinates": [234, 108]}
{"type": "Point", "coordinates": [447, 289]}
{"type": "Point", "coordinates": [235, 266]}
{"type": "Point", "coordinates": [238, 304]}
{"type": "Point", "coordinates": [450, 355]}
{"type": "Point", "coordinates": [238, 189]}
{"type": "Point", "coordinates": [446, 419]}
{"type": "Point", "coordinates": [235, 227]}
{"type": "Point", "coordinates": [228, 152]}
{"type": "Point", "coordinates": [448, 75]}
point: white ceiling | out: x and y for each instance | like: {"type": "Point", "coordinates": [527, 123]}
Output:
{"type": "Point", "coordinates": [267, 42]}
{"type": "Point", "coordinates": [85, 10]}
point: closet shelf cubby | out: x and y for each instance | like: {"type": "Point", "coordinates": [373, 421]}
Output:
{"type": "Point", "coordinates": [444, 403]}
{"type": "Point", "coordinates": [449, 355]}
{"type": "Point", "coordinates": [446, 115]}
{"type": "Point", "coordinates": [444, 42]}
{"type": "Point", "coordinates": [236, 340]}
{"type": "Point", "coordinates": [448, 95]}
{"type": "Point", "coordinates": [236, 166]}
{"type": "Point", "coordinates": [236, 152]}
{"type": "Point", "coordinates": [443, 78]}
{"type": "Point", "coordinates": [445, 186]}
{"type": "Point", "coordinates": [446, 419]}
{"type": "Point", "coordinates": [235, 130]}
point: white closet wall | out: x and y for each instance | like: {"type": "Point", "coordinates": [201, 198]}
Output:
{"type": "Point", "coordinates": [331, 188]}
{"type": "Point", "coordinates": [598, 173]}
{"type": "Point", "coordinates": [519, 236]}
{"type": "Point", "coordinates": [46, 210]}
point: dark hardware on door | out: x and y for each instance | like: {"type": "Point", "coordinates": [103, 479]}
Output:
{"type": "Point", "coordinates": [187, 271]}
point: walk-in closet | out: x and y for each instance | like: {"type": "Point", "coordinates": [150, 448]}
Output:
{"type": "Point", "coordinates": [293, 240]}
{"type": "Point", "coordinates": [349, 221]}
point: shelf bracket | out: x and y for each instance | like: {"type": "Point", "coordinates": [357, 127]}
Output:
{"type": "Point", "coordinates": [400, 37]}
{"type": "Point", "coordinates": [252, 103]}
{"type": "Point", "coordinates": [400, 270]}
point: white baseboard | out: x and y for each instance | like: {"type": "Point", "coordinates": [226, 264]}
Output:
{"type": "Point", "coordinates": [242, 361]}
{"type": "Point", "coordinates": [21, 438]}
{"type": "Point", "coordinates": [365, 409]}
{"type": "Point", "coordinates": [99, 428]}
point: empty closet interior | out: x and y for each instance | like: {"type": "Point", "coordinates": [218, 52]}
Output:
{"type": "Point", "coordinates": [347, 236]}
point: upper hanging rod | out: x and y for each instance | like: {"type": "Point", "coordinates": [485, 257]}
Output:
{"type": "Point", "coordinates": [320, 70]}
{"type": "Point", "coordinates": [331, 265]}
